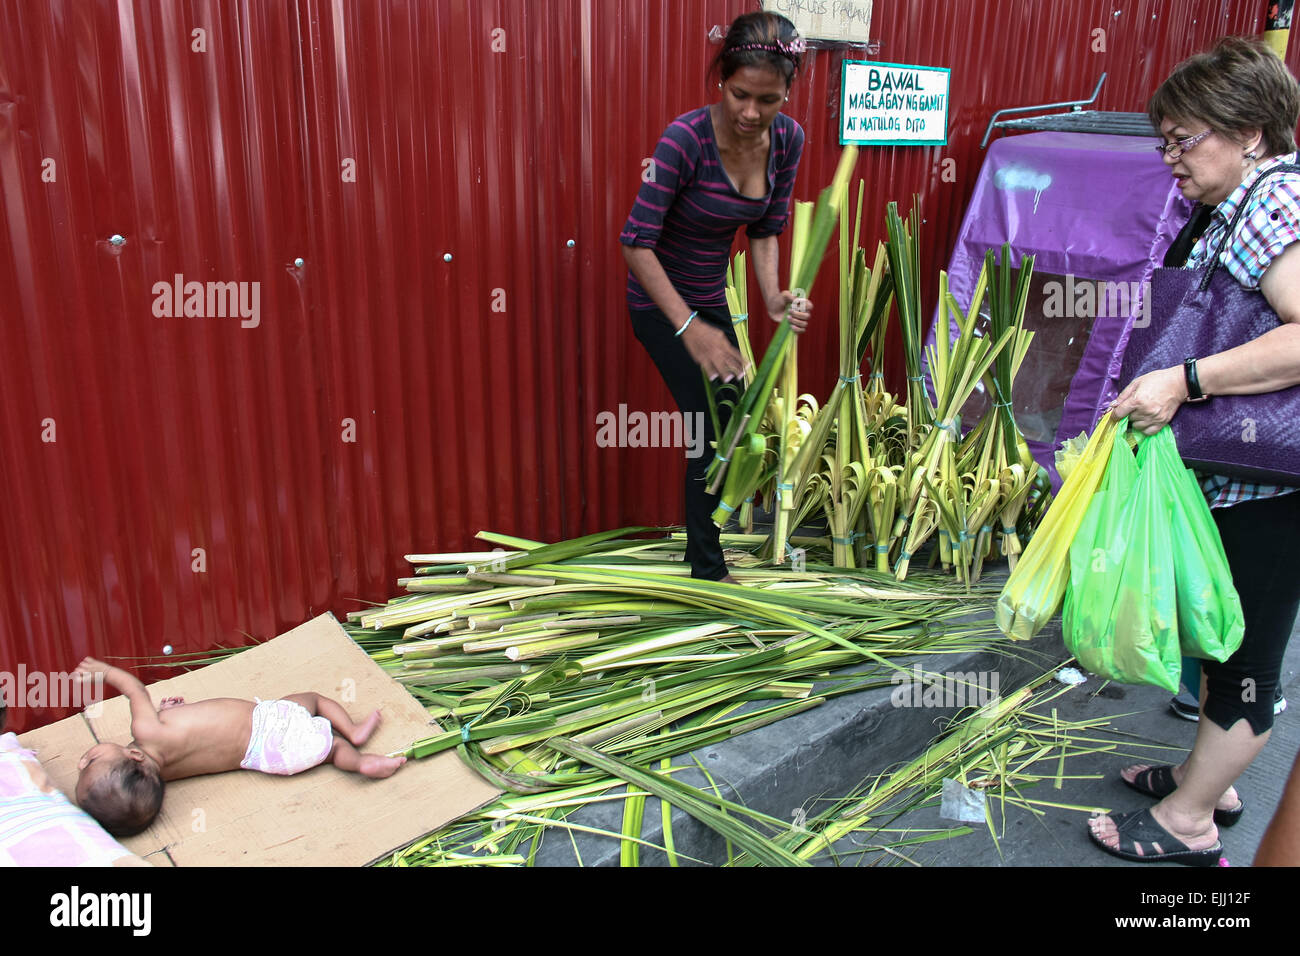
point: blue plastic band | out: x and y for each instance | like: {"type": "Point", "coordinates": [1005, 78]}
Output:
{"type": "Point", "coordinates": [903, 556]}
{"type": "Point", "coordinates": [722, 457]}
{"type": "Point", "coordinates": [882, 549]}
{"type": "Point", "coordinates": [1006, 530]}
{"type": "Point", "coordinates": [1001, 404]}
{"type": "Point", "coordinates": [726, 507]}
{"type": "Point", "coordinates": [689, 319]}
{"type": "Point", "coordinates": [877, 375]}
{"type": "Point", "coordinates": [986, 529]}
{"type": "Point", "coordinates": [848, 540]}
{"type": "Point", "coordinates": [465, 728]}
{"type": "Point", "coordinates": [951, 428]}
{"type": "Point", "coordinates": [785, 486]}
{"type": "Point", "coordinates": [851, 379]}
{"type": "Point", "coordinates": [739, 317]}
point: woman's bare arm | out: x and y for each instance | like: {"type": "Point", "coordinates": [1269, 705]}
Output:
{"type": "Point", "coordinates": [1272, 361]}
{"type": "Point", "coordinates": [708, 346]}
{"type": "Point", "coordinates": [1269, 363]}
{"type": "Point", "coordinates": [1281, 843]}
{"type": "Point", "coordinates": [766, 257]}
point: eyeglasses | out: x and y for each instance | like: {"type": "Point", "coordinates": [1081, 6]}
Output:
{"type": "Point", "coordinates": [1178, 147]}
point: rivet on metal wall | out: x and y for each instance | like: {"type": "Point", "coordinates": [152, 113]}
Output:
{"type": "Point", "coordinates": [297, 263]}
{"type": "Point", "coordinates": [570, 243]}
{"type": "Point", "coordinates": [117, 240]}
{"type": "Point", "coordinates": [446, 257]}
{"type": "Point", "coordinates": [167, 650]}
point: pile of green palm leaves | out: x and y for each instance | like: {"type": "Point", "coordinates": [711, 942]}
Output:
{"type": "Point", "coordinates": [512, 648]}
{"type": "Point", "coordinates": [1004, 750]}
{"type": "Point", "coordinates": [534, 657]}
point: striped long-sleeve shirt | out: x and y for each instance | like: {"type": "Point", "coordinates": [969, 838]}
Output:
{"type": "Point", "coordinates": [688, 210]}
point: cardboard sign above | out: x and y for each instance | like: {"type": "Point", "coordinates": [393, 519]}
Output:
{"type": "Point", "coordinates": [888, 104]}
{"type": "Point", "coordinates": [844, 21]}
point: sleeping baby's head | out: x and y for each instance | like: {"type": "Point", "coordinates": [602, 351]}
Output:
{"type": "Point", "coordinates": [121, 787]}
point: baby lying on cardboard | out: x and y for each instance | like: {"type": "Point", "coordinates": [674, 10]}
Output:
{"type": "Point", "coordinates": [122, 787]}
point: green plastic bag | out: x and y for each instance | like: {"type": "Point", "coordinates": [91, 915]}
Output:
{"type": "Point", "coordinates": [1210, 620]}
{"type": "Point", "coordinates": [1121, 608]}
{"type": "Point", "coordinates": [1149, 580]}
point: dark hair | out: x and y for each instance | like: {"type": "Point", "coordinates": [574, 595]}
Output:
{"type": "Point", "coordinates": [760, 39]}
{"type": "Point", "coordinates": [1240, 84]}
{"type": "Point", "coordinates": [127, 798]}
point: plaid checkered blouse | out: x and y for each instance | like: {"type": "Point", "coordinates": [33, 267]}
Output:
{"type": "Point", "coordinates": [1269, 225]}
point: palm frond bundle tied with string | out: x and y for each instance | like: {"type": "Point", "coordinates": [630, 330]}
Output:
{"type": "Point", "coordinates": [884, 476]}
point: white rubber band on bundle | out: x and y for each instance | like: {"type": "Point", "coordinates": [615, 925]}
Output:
{"type": "Point", "coordinates": [951, 428]}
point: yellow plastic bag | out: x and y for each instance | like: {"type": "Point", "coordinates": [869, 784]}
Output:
{"type": "Point", "coordinates": [1068, 455]}
{"type": "Point", "coordinates": [1034, 591]}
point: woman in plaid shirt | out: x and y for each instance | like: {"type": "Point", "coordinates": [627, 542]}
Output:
{"type": "Point", "coordinates": [1227, 116]}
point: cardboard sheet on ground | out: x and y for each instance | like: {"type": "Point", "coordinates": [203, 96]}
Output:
{"type": "Point", "coordinates": [323, 817]}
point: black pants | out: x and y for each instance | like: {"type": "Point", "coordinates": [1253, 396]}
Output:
{"type": "Point", "coordinates": [1258, 538]}
{"type": "Point", "coordinates": [686, 382]}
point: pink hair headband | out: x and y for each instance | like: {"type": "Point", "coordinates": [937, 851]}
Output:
{"type": "Point", "coordinates": [789, 50]}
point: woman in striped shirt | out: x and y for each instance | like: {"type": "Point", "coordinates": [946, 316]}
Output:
{"type": "Point", "coordinates": [726, 165]}
{"type": "Point", "coordinates": [1228, 116]}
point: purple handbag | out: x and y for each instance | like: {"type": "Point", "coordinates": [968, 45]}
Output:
{"type": "Point", "coordinates": [1195, 313]}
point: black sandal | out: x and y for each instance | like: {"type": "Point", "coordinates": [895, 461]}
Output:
{"type": "Point", "coordinates": [1140, 829]}
{"type": "Point", "coordinates": [1158, 782]}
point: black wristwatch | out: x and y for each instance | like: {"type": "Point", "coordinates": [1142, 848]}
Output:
{"type": "Point", "coordinates": [1194, 393]}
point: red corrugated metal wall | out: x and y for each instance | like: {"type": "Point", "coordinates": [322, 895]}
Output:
{"type": "Point", "coordinates": [189, 481]}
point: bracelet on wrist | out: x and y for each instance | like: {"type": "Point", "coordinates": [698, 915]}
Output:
{"type": "Point", "coordinates": [689, 319]}
{"type": "Point", "coordinates": [1194, 393]}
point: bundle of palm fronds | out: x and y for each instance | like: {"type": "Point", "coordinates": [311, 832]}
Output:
{"type": "Point", "coordinates": [884, 475]}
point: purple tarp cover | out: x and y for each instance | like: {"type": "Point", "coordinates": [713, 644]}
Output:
{"type": "Point", "coordinates": [1091, 206]}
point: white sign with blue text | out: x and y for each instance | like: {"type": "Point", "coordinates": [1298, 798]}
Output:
{"type": "Point", "coordinates": [889, 104]}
